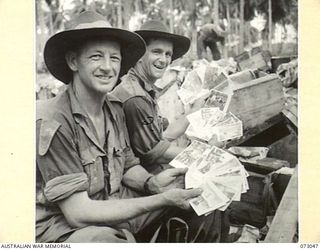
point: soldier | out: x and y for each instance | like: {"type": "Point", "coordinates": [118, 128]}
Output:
{"type": "Point", "coordinates": [209, 35]}
{"type": "Point", "coordinates": [90, 186]}
{"type": "Point", "coordinates": [149, 141]}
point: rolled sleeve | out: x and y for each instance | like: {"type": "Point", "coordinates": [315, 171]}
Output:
{"type": "Point", "coordinates": [158, 150]}
{"type": "Point", "coordinates": [64, 186]}
{"type": "Point", "coordinates": [145, 130]}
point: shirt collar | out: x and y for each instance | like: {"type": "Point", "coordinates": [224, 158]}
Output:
{"type": "Point", "coordinates": [75, 105]}
{"type": "Point", "coordinates": [82, 118]}
{"type": "Point", "coordinates": [144, 82]}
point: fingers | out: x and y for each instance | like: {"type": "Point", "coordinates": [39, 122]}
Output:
{"type": "Point", "coordinates": [177, 171]}
{"type": "Point", "coordinates": [179, 182]}
{"type": "Point", "coordinates": [192, 193]}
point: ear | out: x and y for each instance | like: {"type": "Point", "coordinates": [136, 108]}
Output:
{"type": "Point", "coordinates": [71, 59]}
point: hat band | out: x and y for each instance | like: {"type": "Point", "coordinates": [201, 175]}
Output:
{"type": "Point", "coordinates": [97, 24]}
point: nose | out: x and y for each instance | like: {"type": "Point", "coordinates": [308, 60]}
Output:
{"type": "Point", "coordinates": [106, 64]}
{"type": "Point", "coordinates": [163, 58]}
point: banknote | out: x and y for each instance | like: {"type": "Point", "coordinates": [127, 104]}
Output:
{"type": "Point", "coordinates": [219, 99]}
{"type": "Point", "coordinates": [190, 155]}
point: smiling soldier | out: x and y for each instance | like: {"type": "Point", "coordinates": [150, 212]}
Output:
{"type": "Point", "coordinates": [150, 142]}
{"type": "Point", "coordinates": [90, 186]}
{"type": "Point", "coordinates": [148, 139]}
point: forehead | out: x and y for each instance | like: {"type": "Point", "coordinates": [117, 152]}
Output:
{"type": "Point", "coordinates": [160, 43]}
{"type": "Point", "coordinates": [99, 44]}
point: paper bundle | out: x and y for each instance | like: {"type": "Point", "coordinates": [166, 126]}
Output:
{"type": "Point", "coordinates": [171, 75]}
{"type": "Point", "coordinates": [200, 81]}
{"type": "Point", "coordinates": [220, 175]}
{"type": "Point", "coordinates": [219, 99]}
{"type": "Point", "coordinates": [208, 122]}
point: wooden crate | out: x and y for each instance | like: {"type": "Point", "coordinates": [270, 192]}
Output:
{"type": "Point", "coordinates": [285, 222]}
{"type": "Point", "coordinates": [258, 100]}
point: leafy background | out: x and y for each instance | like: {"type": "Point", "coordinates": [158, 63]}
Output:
{"type": "Point", "coordinates": [270, 24]}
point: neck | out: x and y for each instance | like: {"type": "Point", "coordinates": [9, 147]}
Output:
{"type": "Point", "coordinates": [92, 103]}
{"type": "Point", "coordinates": [143, 73]}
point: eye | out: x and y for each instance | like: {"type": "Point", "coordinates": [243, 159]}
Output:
{"type": "Point", "coordinates": [156, 51]}
{"type": "Point", "coordinates": [95, 57]}
{"type": "Point", "coordinates": [169, 54]}
{"type": "Point", "coordinates": [115, 58]}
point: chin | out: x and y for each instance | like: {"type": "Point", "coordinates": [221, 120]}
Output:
{"type": "Point", "coordinates": [104, 89]}
{"type": "Point", "coordinates": [158, 75]}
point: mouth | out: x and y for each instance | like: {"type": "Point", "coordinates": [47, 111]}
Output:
{"type": "Point", "coordinates": [104, 77]}
{"type": "Point", "coordinates": [160, 67]}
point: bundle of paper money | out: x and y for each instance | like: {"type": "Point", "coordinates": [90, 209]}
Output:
{"type": "Point", "coordinates": [209, 122]}
{"type": "Point", "coordinates": [199, 81]}
{"type": "Point", "coordinates": [220, 175]}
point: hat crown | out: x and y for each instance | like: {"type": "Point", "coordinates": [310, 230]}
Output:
{"type": "Point", "coordinates": [154, 25]}
{"type": "Point", "coordinates": [89, 20]}
{"type": "Point", "coordinates": [90, 25]}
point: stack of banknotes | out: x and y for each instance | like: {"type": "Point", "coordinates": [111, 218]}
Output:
{"type": "Point", "coordinates": [220, 175]}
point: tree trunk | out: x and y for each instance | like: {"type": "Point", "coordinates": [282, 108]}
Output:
{"type": "Point", "coordinates": [119, 12]}
{"type": "Point", "coordinates": [241, 25]}
{"type": "Point", "coordinates": [236, 19]}
{"type": "Point", "coordinates": [171, 16]}
{"type": "Point", "coordinates": [137, 6]}
{"type": "Point", "coordinates": [127, 13]}
{"type": "Point", "coordinates": [194, 28]}
{"type": "Point", "coordinates": [270, 25]}
{"type": "Point", "coordinates": [41, 41]}
{"type": "Point", "coordinates": [216, 11]}
{"type": "Point", "coordinates": [229, 29]}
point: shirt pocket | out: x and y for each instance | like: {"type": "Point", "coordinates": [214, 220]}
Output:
{"type": "Point", "coordinates": [91, 160]}
{"type": "Point", "coordinates": [119, 156]}
{"type": "Point", "coordinates": [160, 124]}
{"type": "Point", "coordinates": [120, 149]}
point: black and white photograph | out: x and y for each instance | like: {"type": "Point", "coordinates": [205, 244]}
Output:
{"type": "Point", "coordinates": [125, 89]}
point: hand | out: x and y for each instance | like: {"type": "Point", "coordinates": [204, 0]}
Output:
{"type": "Point", "coordinates": [167, 179]}
{"type": "Point", "coordinates": [180, 197]}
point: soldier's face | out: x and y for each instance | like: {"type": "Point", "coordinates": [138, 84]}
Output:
{"type": "Point", "coordinates": [97, 65]}
{"type": "Point", "coordinates": [157, 57]}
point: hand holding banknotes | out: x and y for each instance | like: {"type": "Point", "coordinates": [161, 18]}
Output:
{"type": "Point", "coordinates": [166, 180]}
{"type": "Point", "coordinates": [180, 197]}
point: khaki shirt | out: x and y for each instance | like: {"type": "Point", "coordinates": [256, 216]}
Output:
{"type": "Point", "coordinates": [145, 124]}
{"type": "Point", "coordinates": [70, 159]}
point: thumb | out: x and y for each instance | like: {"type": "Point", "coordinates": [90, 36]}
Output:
{"type": "Point", "coordinates": [178, 171]}
{"type": "Point", "coordinates": [194, 192]}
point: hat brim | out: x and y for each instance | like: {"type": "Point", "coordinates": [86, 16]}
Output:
{"type": "Point", "coordinates": [132, 49]}
{"type": "Point", "coordinates": [181, 44]}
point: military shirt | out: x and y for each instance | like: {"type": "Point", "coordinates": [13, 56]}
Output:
{"type": "Point", "coordinates": [145, 124]}
{"type": "Point", "coordinates": [70, 159]}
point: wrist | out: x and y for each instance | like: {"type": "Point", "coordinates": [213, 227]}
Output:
{"type": "Point", "coordinates": [148, 185]}
{"type": "Point", "coordinates": [165, 197]}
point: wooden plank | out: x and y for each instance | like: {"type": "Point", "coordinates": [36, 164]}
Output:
{"type": "Point", "coordinates": [248, 133]}
{"type": "Point", "coordinates": [242, 76]}
{"type": "Point", "coordinates": [292, 117]}
{"type": "Point", "coordinates": [285, 222]}
{"type": "Point", "coordinates": [265, 165]}
{"type": "Point", "coordinates": [256, 101]}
